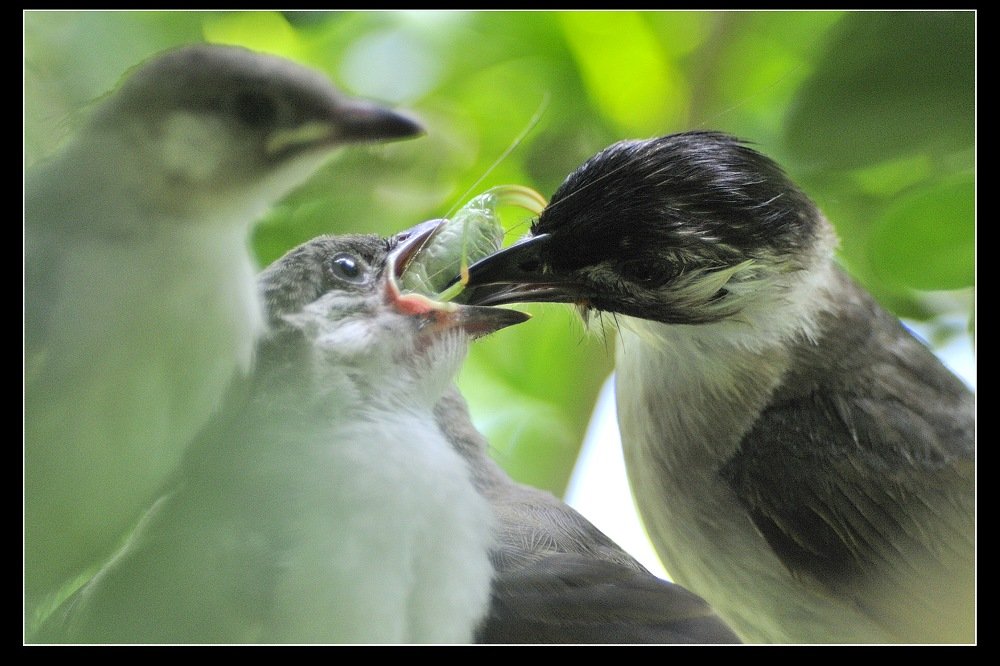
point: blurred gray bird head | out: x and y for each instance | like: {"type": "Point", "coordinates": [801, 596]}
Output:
{"type": "Point", "coordinates": [799, 459]}
{"type": "Point", "coordinates": [210, 131]}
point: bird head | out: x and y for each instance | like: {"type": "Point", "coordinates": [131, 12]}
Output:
{"type": "Point", "coordinates": [341, 295]}
{"type": "Point", "coordinates": [210, 122]}
{"type": "Point", "coordinates": [690, 228]}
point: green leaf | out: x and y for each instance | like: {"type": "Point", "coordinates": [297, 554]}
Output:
{"type": "Point", "coordinates": [889, 178]}
{"type": "Point", "coordinates": [890, 84]}
{"type": "Point", "coordinates": [630, 79]}
{"type": "Point", "coordinates": [269, 32]}
{"type": "Point", "coordinates": [927, 240]}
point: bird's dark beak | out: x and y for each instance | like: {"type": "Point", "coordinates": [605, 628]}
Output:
{"type": "Point", "coordinates": [519, 274]}
{"type": "Point", "coordinates": [353, 121]}
{"type": "Point", "coordinates": [359, 121]}
{"type": "Point", "coordinates": [475, 320]}
{"type": "Point", "coordinates": [436, 316]}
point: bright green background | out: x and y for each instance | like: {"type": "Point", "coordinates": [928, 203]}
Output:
{"type": "Point", "coordinates": [872, 113]}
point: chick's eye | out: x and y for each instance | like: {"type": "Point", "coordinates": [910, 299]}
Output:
{"type": "Point", "coordinates": [348, 268]}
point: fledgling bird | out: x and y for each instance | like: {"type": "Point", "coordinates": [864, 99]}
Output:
{"type": "Point", "coordinates": [140, 300]}
{"type": "Point", "coordinates": [323, 504]}
{"type": "Point", "coordinates": [798, 458]}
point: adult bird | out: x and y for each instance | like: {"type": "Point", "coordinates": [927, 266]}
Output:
{"type": "Point", "coordinates": [344, 495]}
{"type": "Point", "coordinates": [323, 504]}
{"type": "Point", "coordinates": [798, 458]}
{"type": "Point", "coordinates": [140, 300]}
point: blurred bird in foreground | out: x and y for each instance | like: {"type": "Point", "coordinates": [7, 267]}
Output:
{"type": "Point", "coordinates": [345, 496]}
{"type": "Point", "coordinates": [798, 458]}
{"type": "Point", "coordinates": [140, 305]}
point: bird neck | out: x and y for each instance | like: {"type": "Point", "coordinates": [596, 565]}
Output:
{"type": "Point", "coordinates": [454, 419]}
{"type": "Point", "coordinates": [347, 372]}
{"type": "Point", "coordinates": [684, 398]}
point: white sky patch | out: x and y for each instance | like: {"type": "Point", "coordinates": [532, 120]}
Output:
{"type": "Point", "coordinates": [599, 488]}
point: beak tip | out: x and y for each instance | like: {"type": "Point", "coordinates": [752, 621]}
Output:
{"type": "Point", "coordinates": [402, 126]}
{"type": "Point", "coordinates": [484, 320]}
{"type": "Point", "coordinates": [372, 122]}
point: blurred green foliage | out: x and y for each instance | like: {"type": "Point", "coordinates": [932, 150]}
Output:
{"type": "Point", "coordinates": [871, 112]}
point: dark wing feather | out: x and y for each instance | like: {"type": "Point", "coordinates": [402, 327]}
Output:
{"type": "Point", "coordinates": [570, 598]}
{"type": "Point", "coordinates": [860, 474]}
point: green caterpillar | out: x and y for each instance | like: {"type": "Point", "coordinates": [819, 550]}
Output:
{"type": "Point", "coordinates": [473, 233]}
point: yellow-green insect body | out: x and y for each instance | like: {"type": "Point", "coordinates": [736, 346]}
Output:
{"type": "Point", "coordinates": [473, 233]}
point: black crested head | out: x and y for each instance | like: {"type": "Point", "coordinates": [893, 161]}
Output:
{"type": "Point", "coordinates": [687, 228]}
{"type": "Point", "coordinates": [694, 200]}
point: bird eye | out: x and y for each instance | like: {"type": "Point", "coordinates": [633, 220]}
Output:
{"type": "Point", "coordinates": [348, 268]}
{"type": "Point", "coordinates": [645, 273]}
{"type": "Point", "coordinates": [256, 109]}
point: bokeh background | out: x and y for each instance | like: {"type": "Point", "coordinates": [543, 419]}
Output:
{"type": "Point", "coordinates": [873, 113]}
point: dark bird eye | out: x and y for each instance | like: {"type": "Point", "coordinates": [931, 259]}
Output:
{"type": "Point", "coordinates": [256, 109]}
{"type": "Point", "coordinates": [644, 273]}
{"type": "Point", "coordinates": [348, 268]}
